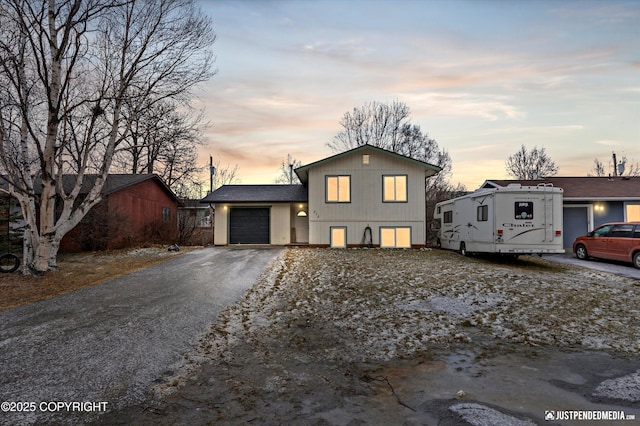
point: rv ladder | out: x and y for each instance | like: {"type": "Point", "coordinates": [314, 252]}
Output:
{"type": "Point", "coordinates": [547, 200]}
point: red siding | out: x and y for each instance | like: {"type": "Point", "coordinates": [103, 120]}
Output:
{"type": "Point", "coordinates": [134, 215]}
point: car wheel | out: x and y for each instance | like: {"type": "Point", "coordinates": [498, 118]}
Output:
{"type": "Point", "coordinates": [581, 252]}
{"type": "Point", "coordinates": [463, 249]}
{"type": "Point", "coordinates": [636, 259]}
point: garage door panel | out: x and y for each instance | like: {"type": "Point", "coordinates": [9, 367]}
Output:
{"type": "Point", "coordinates": [249, 226]}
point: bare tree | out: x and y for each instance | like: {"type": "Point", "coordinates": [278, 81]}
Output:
{"type": "Point", "coordinates": [224, 175]}
{"type": "Point", "coordinates": [598, 169]}
{"type": "Point", "coordinates": [622, 167]}
{"type": "Point", "coordinates": [534, 164]}
{"type": "Point", "coordinates": [373, 123]}
{"type": "Point", "coordinates": [285, 172]}
{"type": "Point", "coordinates": [70, 67]}
{"type": "Point", "coordinates": [388, 126]}
{"type": "Point", "coordinates": [163, 140]}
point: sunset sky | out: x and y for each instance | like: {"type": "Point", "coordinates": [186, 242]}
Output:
{"type": "Point", "coordinates": [480, 77]}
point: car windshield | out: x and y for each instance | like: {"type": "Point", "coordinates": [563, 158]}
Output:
{"type": "Point", "coordinates": [602, 231]}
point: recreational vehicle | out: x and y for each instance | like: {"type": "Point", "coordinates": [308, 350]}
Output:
{"type": "Point", "coordinates": [509, 220]}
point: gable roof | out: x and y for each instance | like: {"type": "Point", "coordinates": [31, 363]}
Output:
{"type": "Point", "coordinates": [584, 188]}
{"type": "Point", "coordinates": [113, 183]}
{"type": "Point", "coordinates": [303, 171]}
{"type": "Point", "coordinates": [258, 194]}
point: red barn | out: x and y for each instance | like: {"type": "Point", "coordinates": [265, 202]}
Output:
{"type": "Point", "coordinates": [135, 209]}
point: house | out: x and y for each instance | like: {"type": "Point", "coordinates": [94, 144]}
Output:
{"type": "Point", "coordinates": [589, 201]}
{"type": "Point", "coordinates": [364, 196]}
{"type": "Point", "coordinates": [195, 226]}
{"type": "Point", "coordinates": [135, 209]}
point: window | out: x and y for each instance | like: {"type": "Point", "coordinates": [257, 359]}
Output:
{"type": "Point", "coordinates": [621, 231]}
{"type": "Point", "coordinates": [524, 210]}
{"type": "Point", "coordinates": [632, 212]}
{"type": "Point", "coordinates": [166, 214]}
{"type": "Point", "coordinates": [338, 189]}
{"type": "Point", "coordinates": [636, 233]}
{"type": "Point", "coordinates": [448, 216]}
{"type": "Point", "coordinates": [338, 237]}
{"type": "Point", "coordinates": [395, 237]}
{"type": "Point", "coordinates": [365, 158]}
{"type": "Point", "coordinates": [483, 213]}
{"type": "Point", "coordinates": [394, 188]}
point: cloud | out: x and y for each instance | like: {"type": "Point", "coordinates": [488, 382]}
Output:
{"type": "Point", "coordinates": [488, 107]}
{"type": "Point", "coordinates": [608, 142]}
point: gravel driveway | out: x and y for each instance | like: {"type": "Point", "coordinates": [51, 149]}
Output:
{"type": "Point", "coordinates": [110, 343]}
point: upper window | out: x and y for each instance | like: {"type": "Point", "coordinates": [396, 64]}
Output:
{"type": "Point", "coordinates": [338, 189]}
{"type": "Point", "coordinates": [524, 210]}
{"type": "Point", "coordinates": [394, 188]}
{"type": "Point", "coordinates": [483, 213]}
{"type": "Point", "coordinates": [447, 216]}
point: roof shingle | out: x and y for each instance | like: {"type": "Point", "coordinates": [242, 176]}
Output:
{"type": "Point", "coordinates": [586, 188]}
{"type": "Point", "coordinates": [258, 194]}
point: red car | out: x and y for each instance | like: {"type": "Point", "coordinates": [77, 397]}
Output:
{"type": "Point", "coordinates": [614, 241]}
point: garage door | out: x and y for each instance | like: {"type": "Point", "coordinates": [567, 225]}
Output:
{"type": "Point", "coordinates": [575, 223]}
{"type": "Point", "coordinates": [249, 226]}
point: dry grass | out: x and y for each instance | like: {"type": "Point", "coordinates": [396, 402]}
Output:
{"type": "Point", "coordinates": [77, 271]}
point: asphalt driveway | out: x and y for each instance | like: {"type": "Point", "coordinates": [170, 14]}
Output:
{"type": "Point", "coordinates": [110, 343]}
{"type": "Point", "coordinates": [618, 268]}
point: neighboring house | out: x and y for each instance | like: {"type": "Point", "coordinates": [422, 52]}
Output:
{"type": "Point", "coordinates": [364, 196]}
{"type": "Point", "coordinates": [195, 226]}
{"type": "Point", "coordinates": [589, 201]}
{"type": "Point", "coordinates": [135, 209]}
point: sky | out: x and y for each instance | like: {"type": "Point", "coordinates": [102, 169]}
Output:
{"type": "Point", "coordinates": [480, 77]}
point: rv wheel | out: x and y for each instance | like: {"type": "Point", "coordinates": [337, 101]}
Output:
{"type": "Point", "coordinates": [463, 249]}
{"type": "Point", "coordinates": [438, 243]}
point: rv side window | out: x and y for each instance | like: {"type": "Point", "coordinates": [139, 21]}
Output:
{"type": "Point", "coordinates": [438, 210]}
{"type": "Point", "coordinates": [448, 217]}
{"type": "Point", "coordinates": [483, 213]}
{"type": "Point", "coordinates": [524, 210]}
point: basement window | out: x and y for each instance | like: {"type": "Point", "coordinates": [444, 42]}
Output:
{"type": "Point", "coordinates": [339, 237]}
{"type": "Point", "coordinates": [399, 237]}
